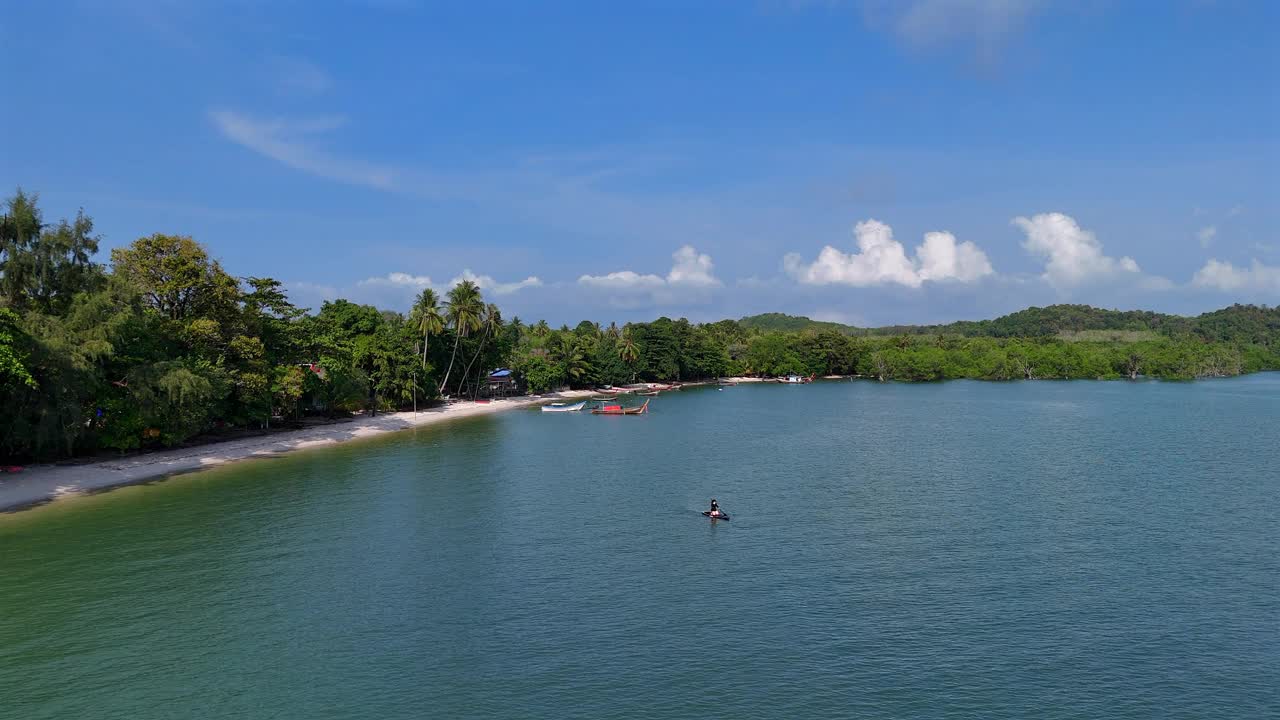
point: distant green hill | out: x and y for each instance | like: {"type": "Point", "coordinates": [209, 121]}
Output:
{"type": "Point", "coordinates": [1238, 323]}
{"type": "Point", "coordinates": [780, 322]}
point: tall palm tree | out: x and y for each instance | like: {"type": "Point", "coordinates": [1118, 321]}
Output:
{"type": "Point", "coordinates": [541, 328]}
{"type": "Point", "coordinates": [613, 331]}
{"type": "Point", "coordinates": [463, 311]}
{"type": "Point", "coordinates": [426, 314]}
{"type": "Point", "coordinates": [490, 324]}
{"type": "Point", "coordinates": [628, 352]}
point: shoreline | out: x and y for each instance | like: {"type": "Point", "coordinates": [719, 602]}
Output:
{"type": "Point", "coordinates": [43, 484]}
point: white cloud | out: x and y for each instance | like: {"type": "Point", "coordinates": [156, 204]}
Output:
{"type": "Point", "coordinates": [398, 279]}
{"type": "Point", "coordinates": [1224, 276]}
{"type": "Point", "coordinates": [689, 280]}
{"type": "Point", "coordinates": [942, 258]}
{"type": "Point", "coordinates": [1206, 235]}
{"type": "Point", "coordinates": [485, 282]}
{"type": "Point", "coordinates": [691, 268]}
{"type": "Point", "coordinates": [1073, 255]}
{"type": "Point", "coordinates": [418, 282]}
{"type": "Point", "coordinates": [623, 280]}
{"type": "Point", "coordinates": [284, 141]}
{"type": "Point", "coordinates": [882, 260]}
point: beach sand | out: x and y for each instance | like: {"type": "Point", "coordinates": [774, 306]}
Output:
{"type": "Point", "coordinates": [38, 484]}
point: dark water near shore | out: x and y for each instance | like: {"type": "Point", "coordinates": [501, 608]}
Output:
{"type": "Point", "coordinates": [958, 550]}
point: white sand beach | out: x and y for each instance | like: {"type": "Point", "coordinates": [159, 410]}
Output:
{"type": "Point", "coordinates": [38, 484]}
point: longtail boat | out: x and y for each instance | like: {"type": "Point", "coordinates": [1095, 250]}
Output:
{"type": "Point", "coordinates": [619, 410]}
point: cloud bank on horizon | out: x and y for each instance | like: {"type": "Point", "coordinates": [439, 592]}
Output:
{"type": "Point", "coordinates": [1072, 259]}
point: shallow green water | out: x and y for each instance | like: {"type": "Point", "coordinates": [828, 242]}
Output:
{"type": "Point", "coordinates": [967, 550]}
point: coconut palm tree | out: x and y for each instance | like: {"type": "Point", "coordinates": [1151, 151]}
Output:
{"type": "Point", "coordinates": [464, 309]}
{"type": "Point", "coordinates": [574, 358]}
{"type": "Point", "coordinates": [426, 315]}
{"type": "Point", "coordinates": [490, 324]}
{"type": "Point", "coordinates": [613, 331]}
{"type": "Point", "coordinates": [628, 352]}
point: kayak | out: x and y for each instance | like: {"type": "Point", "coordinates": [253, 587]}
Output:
{"type": "Point", "coordinates": [721, 516]}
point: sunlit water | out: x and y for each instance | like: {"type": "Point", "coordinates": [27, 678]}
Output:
{"type": "Point", "coordinates": [958, 550]}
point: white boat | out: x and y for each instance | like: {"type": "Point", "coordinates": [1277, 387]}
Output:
{"type": "Point", "coordinates": [564, 407]}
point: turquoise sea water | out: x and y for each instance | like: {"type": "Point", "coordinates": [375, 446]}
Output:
{"type": "Point", "coordinates": [957, 550]}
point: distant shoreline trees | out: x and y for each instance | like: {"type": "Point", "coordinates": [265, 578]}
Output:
{"type": "Point", "coordinates": [162, 345]}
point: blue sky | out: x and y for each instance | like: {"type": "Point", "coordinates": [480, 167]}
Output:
{"type": "Point", "coordinates": [868, 162]}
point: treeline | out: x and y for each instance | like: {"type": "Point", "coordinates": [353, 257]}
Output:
{"type": "Point", "coordinates": [1238, 323]}
{"type": "Point", "coordinates": [161, 345]}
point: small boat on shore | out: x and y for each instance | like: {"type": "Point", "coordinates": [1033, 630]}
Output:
{"type": "Point", "coordinates": [620, 410]}
{"type": "Point", "coordinates": [796, 379]}
{"type": "Point", "coordinates": [649, 393]}
{"type": "Point", "coordinates": [564, 407]}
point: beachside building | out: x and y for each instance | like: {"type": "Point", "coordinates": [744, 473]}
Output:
{"type": "Point", "coordinates": [502, 383]}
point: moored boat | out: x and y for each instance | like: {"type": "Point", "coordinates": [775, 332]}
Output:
{"type": "Point", "coordinates": [620, 410]}
{"type": "Point", "coordinates": [564, 407]}
{"type": "Point", "coordinates": [796, 379]}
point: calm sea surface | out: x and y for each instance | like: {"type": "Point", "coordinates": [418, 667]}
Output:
{"type": "Point", "coordinates": [957, 550]}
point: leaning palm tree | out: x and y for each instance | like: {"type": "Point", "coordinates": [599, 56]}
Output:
{"type": "Point", "coordinates": [426, 314]}
{"type": "Point", "coordinates": [490, 323]}
{"type": "Point", "coordinates": [463, 311]}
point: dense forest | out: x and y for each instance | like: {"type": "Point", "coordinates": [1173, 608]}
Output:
{"type": "Point", "coordinates": [161, 345]}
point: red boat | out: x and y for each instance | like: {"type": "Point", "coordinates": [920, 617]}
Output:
{"type": "Point", "coordinates": [619, 410]}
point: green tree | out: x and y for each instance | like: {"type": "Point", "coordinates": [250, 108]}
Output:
{"type": "Point", "coordinates": [427, 317]}
{"type": "Point", "coordinates": [464, 309]}
{"type": "Point", "coordinates": [490, 326]}
{"type": "Point", "coordinates": [13, 356]}
{"type": "Point", "coordinates": [43, 267]}
{"type": "Point", "coordinates": [628, 352]}
{"type": "Point", "coordinates": [177, 278]}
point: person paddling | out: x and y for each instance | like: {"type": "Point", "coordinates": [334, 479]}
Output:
{"type": "Point", "coordinates": [715, 509]}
